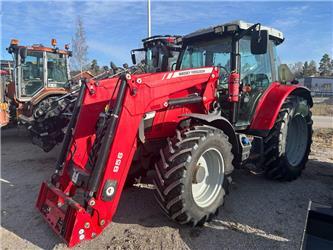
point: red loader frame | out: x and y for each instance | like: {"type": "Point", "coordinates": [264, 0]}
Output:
{"type": "Point", "coordinates": [83, 195]}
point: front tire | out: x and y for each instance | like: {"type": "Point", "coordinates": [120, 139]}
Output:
{"type": "Point", "coordinates": [193, 174]}
{"type": "Point", "coordinates": [287, 147]}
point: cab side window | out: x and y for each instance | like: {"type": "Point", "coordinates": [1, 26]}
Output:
{"type": "Point", "coordinates": [256, 70]}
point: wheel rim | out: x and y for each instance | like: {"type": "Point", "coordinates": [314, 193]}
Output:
{"type": "Point", "coordinates": [208, 176]}
{"type": "Point", "coordinates": [296, 142]}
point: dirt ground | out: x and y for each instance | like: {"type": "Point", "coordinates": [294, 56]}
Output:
{"type": "Point", "coordinates": [258, 213]}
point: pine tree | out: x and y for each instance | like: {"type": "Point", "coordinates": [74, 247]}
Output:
{"type": "Point", "coordinates": [312, 68]}
{"type": "Point", "coordinates": [325, 66]}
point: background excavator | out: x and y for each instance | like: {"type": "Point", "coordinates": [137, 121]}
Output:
{"type": "Point", "coordinates": [222, 107]}
{"type": "Point", "coordinates": [40, 76]}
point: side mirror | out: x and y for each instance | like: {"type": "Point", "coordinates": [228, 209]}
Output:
{"type": "Point", "coordinates": [133, 57]}
{"type": "Point", "coordinates": [259, 42]}
{"type": "Point", "coordinates": [23, 54]}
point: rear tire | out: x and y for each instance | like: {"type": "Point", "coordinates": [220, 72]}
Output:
{"type": "Point", "coordinates": [287, 146]}
{"type": "Point", "coordinates": [193, 174]}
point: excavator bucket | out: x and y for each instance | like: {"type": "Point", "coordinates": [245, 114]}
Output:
{"type": "Point", "coordinates": [318, 233]}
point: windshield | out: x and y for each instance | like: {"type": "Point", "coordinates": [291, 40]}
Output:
{"type": "Point", "coordinates": [156, 58]}
{"type": "Point", "coordinates": [207, 53]}
{"type": "Point", "coordinates": [159, 59]}
{"type": "Point", "coordinates": [32, 73]}
{"type": "Point", "coordinates": [56, 69]}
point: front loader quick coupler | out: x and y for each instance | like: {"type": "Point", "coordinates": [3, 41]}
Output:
{"type": "Point", "coordinates": [72, 222]}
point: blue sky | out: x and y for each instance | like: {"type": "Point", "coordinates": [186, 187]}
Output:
{"type": "Point", "coordinates": [113, 28]}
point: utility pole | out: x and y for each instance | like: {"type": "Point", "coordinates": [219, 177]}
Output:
{"type": "Point", "coordinates": [149, 18]}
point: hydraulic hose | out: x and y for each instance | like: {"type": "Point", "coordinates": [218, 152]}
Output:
{"type": "Point", "coordinates": [69, 132]}
{"type": "Point", "coordinates": [107, 140]}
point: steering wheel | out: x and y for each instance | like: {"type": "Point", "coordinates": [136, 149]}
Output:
{"type": "Point", "coordinates": [223, 76]}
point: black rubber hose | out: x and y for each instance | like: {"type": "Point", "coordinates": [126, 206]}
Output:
{"type": "Point", "coordinates": [103, 154]}
{"type": "Point", "coordinates": [69, 132]}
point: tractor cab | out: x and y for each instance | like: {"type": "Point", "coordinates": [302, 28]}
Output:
{"type": "Point", "coordinates": [237, 47]}
{"type": "Point", "coordinates": [159, 53]}
{"type": "Point", "coordinates": [38, 69]}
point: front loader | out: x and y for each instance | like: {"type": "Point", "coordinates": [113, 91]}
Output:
{"type": "Point", "coordinates": [223, 107]}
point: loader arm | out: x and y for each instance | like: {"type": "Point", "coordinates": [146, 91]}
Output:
{"type": "Point", "coordinates": [83, 194]}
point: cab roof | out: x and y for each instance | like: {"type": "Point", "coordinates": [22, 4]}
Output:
{"type": "Point", "coordinates": [274, 34]}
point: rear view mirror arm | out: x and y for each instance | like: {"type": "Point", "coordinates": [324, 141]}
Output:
{"type": "Point", "coordinates": [247, 31]}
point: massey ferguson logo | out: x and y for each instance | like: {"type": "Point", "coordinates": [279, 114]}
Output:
{"type": "Point", "coordinates": [118, 162]}
{"type": "Point", "coordinates": [187, 73]}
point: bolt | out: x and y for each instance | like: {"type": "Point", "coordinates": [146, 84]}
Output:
{"type": "Point", "coordinates": [81, 237]}
{"type": "Point", "coordinates": [87, 225]}
{"type": "Point", "coordinates": [139, 81]}
{"type": "Point", "coordinates": [81, 231]}
{"type": "Point", "coordinates": [92, 202]}
{"type": "Point", "coordinates": [128, 77]}
{"type": "Point", "coordinates": [59, 204]}
{"type": "Point", "coordinates": [93, 235]}
{"type": "Point", "coordinates": [102, 222]}
{"type": "Point", "coordinates": [165, 104]}
{"type": "Point", "coordinates": [110, 191]}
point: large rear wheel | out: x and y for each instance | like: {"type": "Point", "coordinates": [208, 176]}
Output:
{"type": "Point", "coordinates": [193, 174]}
{"type": "Point", "coordinates": [287, 146]}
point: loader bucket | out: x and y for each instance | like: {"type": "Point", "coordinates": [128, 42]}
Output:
{"type": "Point", "coordinates": [318, 233]}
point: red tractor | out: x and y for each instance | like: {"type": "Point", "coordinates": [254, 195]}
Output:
{"type": "Point", "coordinates": [222, 108]}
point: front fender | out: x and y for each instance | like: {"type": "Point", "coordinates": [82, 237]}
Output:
{"type": "Point", "coordinates": [271, 102]}
{"type": "Point", "coordinates": [220, 122]}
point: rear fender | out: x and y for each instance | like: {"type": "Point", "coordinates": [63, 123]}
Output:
{"type": "Point", "coordinates": [218, 121]}
{"type": "Point", "coordinates": [271, 102]}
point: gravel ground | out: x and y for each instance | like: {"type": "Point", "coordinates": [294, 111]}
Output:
{"type": "Point", "coordinates": [258, 214]}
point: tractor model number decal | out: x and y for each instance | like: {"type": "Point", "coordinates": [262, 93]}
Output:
{"type": "Point", "coordinates": [118, 162]}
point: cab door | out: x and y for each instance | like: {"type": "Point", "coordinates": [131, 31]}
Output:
{"type": "Point", "coordinates": [30, 75]}
{"type": "Point", "coordinates": [257, 72]}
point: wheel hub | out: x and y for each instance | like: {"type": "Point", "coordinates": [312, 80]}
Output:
{"type": "Point", "coordinates": [199, 174]}
{"type": "Point", "coordinates": [208, 176]}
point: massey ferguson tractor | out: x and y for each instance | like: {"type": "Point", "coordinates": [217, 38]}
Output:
{"type": "Point", "coordinates": [36, 96]}
{"type": "Point", "coordinates": [223, 107]}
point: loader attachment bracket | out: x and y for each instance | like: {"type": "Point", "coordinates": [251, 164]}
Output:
{"type": "Point", "coordinates": [65, 216]}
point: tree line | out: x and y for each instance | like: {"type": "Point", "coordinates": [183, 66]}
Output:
{"type": "Point", "coordinates": [309, 68]}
